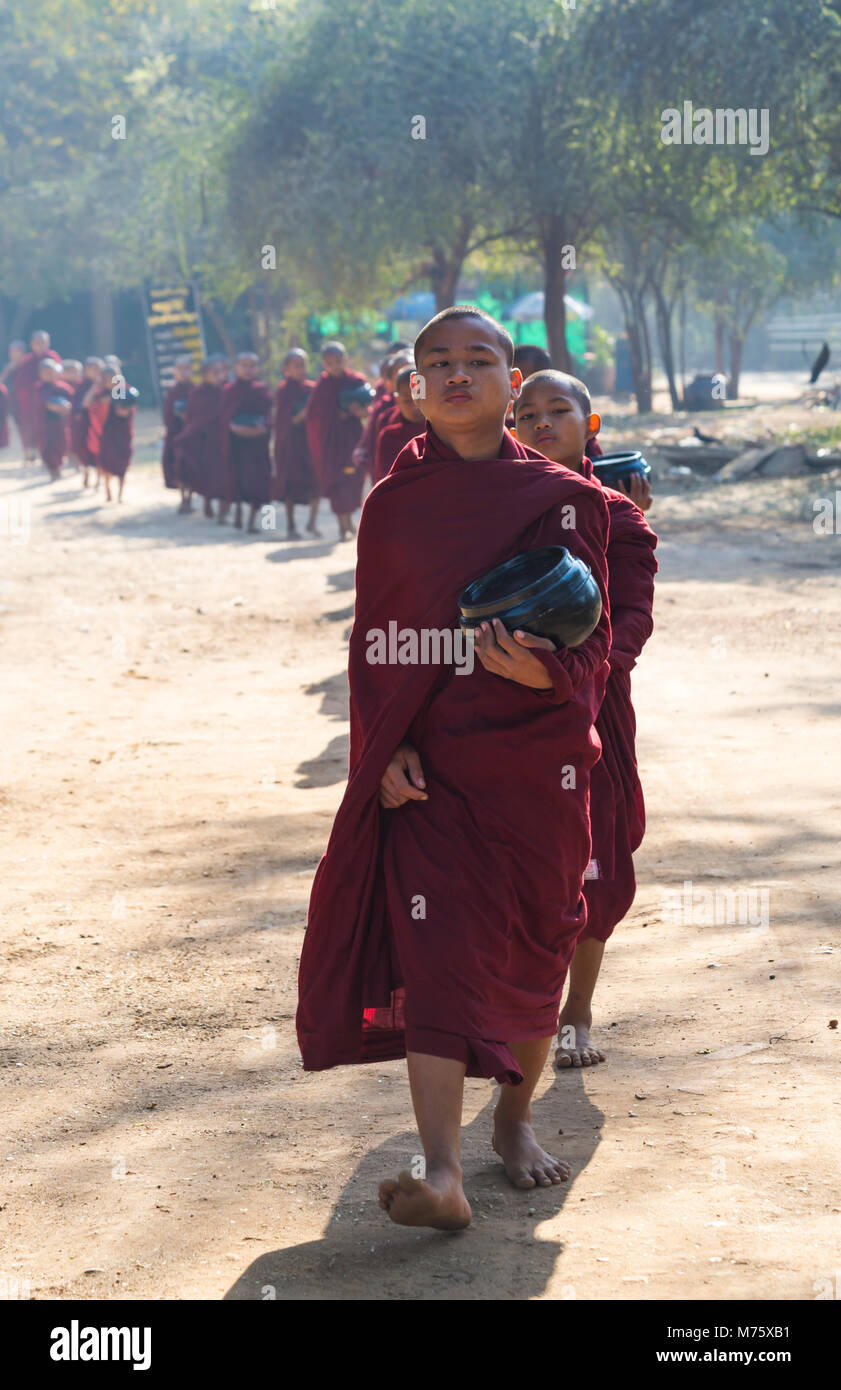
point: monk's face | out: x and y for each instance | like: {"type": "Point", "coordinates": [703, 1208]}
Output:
{"type": "Point", "coordinates": [245, 368]}
{"type": "Point", "coordinates": [73, 375]}
{"type": "Point", "coordinates": [217, 373]}
{"type": "Point", "coordinates": [48, 374]}
{"type": "Point", "coordinates": [408, 408]}
{"type": "Point", "coordinates": [16, 355]}
{"type": "Point", "coordinates": [551, 420]}
{"type": "Point", "coordinates": [40, 343]}
{"type": "Point", "coordinates": [93, 371]}
{"type": "Point", "coordinates": [183, 370]}
{"type": "Point", "coordinates": [334, 363]}
{"type": "Point", "coordinates": [463, 377]}
{"type": "Point", "coordinates": [295, 368]}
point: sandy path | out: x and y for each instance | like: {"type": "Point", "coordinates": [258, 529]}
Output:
{"type": "Point", "coordinates": [174, 732]}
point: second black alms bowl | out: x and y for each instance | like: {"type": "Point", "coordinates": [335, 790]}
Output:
{"type": "Point", "coordinates": [363, 394]}
{"type": "Point", "coordinates": [611, 469]}
{"type": "Point", "coordinates": [548, 593]}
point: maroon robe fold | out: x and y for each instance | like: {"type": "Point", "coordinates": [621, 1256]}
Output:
{"type": "Point", "coordinates": [53, 430]}
{"type": "Point", "coordinates": [293, 477]}
{"type": "Point", "coordinates": [332, 435]}
{"type": "Point", "coordinates": [392, 440]}
{"type": "Point", "coordinates": [380, 410]}
{"type": "Point", "coordinates": [617, 809]}
{"type": "Point", "coordinates": [446, 926]}
{"type": "Point", "coordinates": [177, 395]}
{"type": "Point", "coordinates": [199, 456]}
{"type": "Point", "coordinates": [5, 407]}
{"type": "Point", "coordinates": [80, 425]}
{"type": "Point", "coordinates": [248, 463]}
{"type": "Point", "coordinates": [115, 442]}
{"type": "Point", "coordinates": [26, 381]}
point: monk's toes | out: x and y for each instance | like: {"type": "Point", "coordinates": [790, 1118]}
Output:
{"type": "Point", "coordinates": [387, 1190]}
{"type": "Point", "coordinates": [563, 1059]}
{"type": "Point", "coordinates": [521, 1177]}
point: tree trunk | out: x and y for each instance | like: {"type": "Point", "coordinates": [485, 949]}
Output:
{"type": "Point", "coordinates": [213, 313]}
{"type": "Point", "coordinates": [632, 301]}
{"type": "Point", "coordinates": [21, 314]}
{"type": "Point", "coordinates": [102, 317]}
{"type": "Point", "coordinates": [718, 329]}
{"type": "Point", "coordinates": [554, 289]}
{"type": "Point", "coordinates": [663, 318]}
{"type": "Point", "coordinates": [446, 265]}
{"type": "Point", "coordinates": [682, 345]}
{"type": "Point", "coordinates": [736, 345]}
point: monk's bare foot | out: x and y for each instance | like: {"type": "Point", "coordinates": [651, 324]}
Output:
{"type": "Point", "coordinates": [208, 509]}
{"type": "Point", "coordinates": [526, 1163]}
{"type": "Point", "coordinates": [238, 516]}
{"type": "Point", "coordinates": [575, 1047]}
{"type": "Point", "coordinates": [437, 1200]}
{"type": "Point", "coordinates": [314, 531]}
{"type": "Point", "coordinates": [292, 534]}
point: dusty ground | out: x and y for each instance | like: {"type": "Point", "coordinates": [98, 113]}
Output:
{"type": "Point", "coordinates": [174, 731]}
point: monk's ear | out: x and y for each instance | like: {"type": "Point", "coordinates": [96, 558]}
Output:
{"type": "Point", "coordinates": [516, 382]}
{"type": "Point", "coordinates": [594, 424]}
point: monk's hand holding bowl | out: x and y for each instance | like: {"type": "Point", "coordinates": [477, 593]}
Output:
{"type": "Point", "coordinates": [508, 656]}
{"type": "Point", "coordinates": [403, 780]}
{"type": "Point", "coordinates": [638, 489]}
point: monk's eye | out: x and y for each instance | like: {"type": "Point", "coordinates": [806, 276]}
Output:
{"type": "Point", "coordinates": [524, 415]}
{"type": "Point", "coordinates": [561, 410]}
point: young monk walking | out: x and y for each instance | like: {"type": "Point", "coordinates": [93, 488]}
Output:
{"type": "Point", "coordinates": [445, 910]}
{"type": "Point", "coordinates": [115, 408]}
{"type": "Point", "coordinates": [293, 478]}
{"type": "Point", "coordinates": [246, 412]}
{"type": "Point", "coordinates": [199, 455]}
{"type": "Point", "coordinates": [554, 415]}
{"type": "Point", "coordinates": [333, 431]}
{"type": "Point", "coordinates": [53, 406]}
{"type": "Point", "coordinates": [175, 413]}
{"type": "Point", "coordinates": [410, 421]}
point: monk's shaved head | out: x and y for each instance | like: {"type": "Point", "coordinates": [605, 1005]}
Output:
{"type": "Point", "coordinates": [333, 350]}
{"type": "Point", "coordinates": [295, 355]}
{"type": "Point", "coordinates": [247, 357]}
{"type": "Point", "coordinates": [570, 384]}
{"type": "Point", "coordinates": [41, 336]}
{"type": "Point", "coordinates": [531, 358]}
{"type": "Point", "coordinates": [466, 311]}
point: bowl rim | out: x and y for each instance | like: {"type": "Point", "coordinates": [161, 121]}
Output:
{"type": "Point", "coordinates": [526, 591]}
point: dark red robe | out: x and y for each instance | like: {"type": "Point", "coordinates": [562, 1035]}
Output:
{"type": "Point", "coordinates": [392, 440]}
{"type": "Point", "coordinates": [178, 395]}
{"type": "Point", "coordinates": [26, 381]}
{"type": "Point", "coordinates": [617, 809]}
{"type": "Point", "coordinates": [332, 435]}
{"type": "Point", "coordinates": [116, 440]}
{"type": "Point", "coordinates": [80, 425]}
{"type": "Point", "coordinates": [247, 460]}
{"type": "Point", "coordinates": [200, 457]}
{"type": "Point", "coordinates": [53, 430]}
{"type": "Point", "coordinates": [293, 476]}
{"type": "Point", "coordinates": [446, 926]}
{"type": "Point", "coordinates": [5, 408]}
{"type": "Point", "coordinates": [380, 410]}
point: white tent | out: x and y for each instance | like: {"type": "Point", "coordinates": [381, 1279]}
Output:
{"type": "Point", "coordinates": [530, 307]}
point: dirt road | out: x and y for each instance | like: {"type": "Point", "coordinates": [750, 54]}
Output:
{"type": "Point", "coordinates": [174, 737]}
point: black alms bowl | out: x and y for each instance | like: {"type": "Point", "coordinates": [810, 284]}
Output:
{"type": "Point", "coordinates": [548, 593]}
{"type": "Point", "coordinates": [611, 469]}
{"type": "Point", "coordinates": [363, 394]}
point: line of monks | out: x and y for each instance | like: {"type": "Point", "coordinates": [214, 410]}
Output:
{"type": "Point", "coordinates": [67, 409]}
{"type": "Point", "coordinates": [236, 443]}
